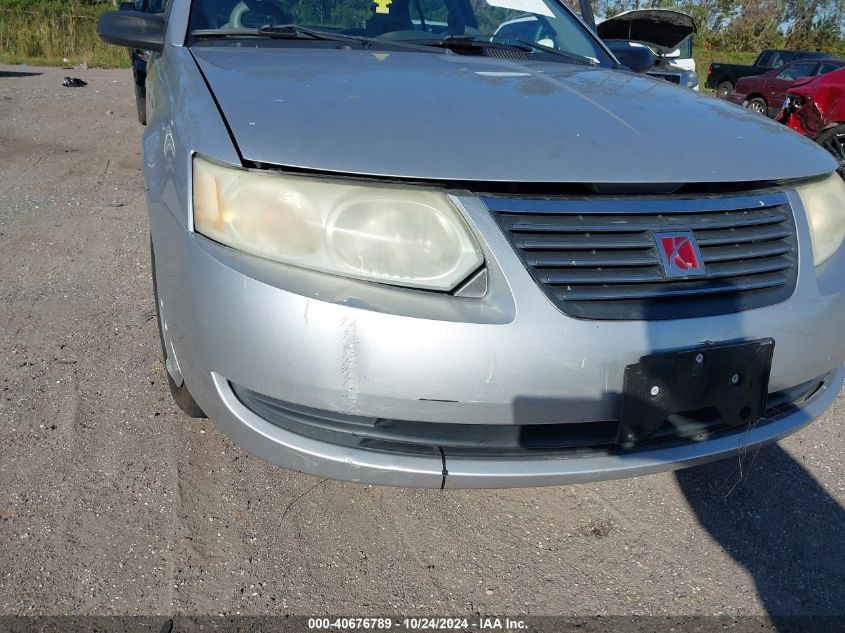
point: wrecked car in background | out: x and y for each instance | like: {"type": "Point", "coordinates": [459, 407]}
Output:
{"type": "Point", "coordinates": [764, 94]}
{"type": "Point", "coordinates": [815, 107]}
{"type": "Point", "coordinates": [723, 77]}
{"type": "Point", "coordinates": [669, 34]}
{"type": "Point", "coordinates": [404, 256]}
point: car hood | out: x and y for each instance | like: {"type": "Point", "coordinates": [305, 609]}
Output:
{"type": "Point", "coordinates": [660, 27]}
{"type": "Point", "coordinates": [453, 117]}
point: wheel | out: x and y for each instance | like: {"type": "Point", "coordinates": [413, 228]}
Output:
{"type": "Point", "coordinates": [180, 393]}
{"type": "Point", "coordinates": [141, 103]}
{"type": "Point", "coordinates": [725, 89]}
{"type": "Point", "coordinates": [758, 105]}
{"type": "Point", "coordinates": [833, 140]}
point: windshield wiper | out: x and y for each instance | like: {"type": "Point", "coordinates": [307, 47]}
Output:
{"type": "Point", "coordinates": [482, 41]}
{"type": "Point", "coordinates": [293, 31]}
{"type": "Point", "coordinates": [283, 31]}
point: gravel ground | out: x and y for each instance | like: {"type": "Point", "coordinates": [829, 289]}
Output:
{"type": "Point", "coordinates": [112, 502]}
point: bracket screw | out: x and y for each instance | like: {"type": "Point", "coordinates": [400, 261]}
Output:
{"type": "Point", "coordinates": [655, 391]}
{"type": "Point", "coordinates": [699, 358]}
{"type": "Point", "coordinates": [735, 379]}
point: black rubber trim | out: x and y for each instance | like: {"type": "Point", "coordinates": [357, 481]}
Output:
{"type": "Point", "coordinates": [425, 437]}
{"type": "Point", "coordinates": [510, 188]}
{"type": "Point", "coordinates": [351, 431]}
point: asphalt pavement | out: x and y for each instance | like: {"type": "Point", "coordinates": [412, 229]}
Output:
{"type": "Point", "coordinates": [113, 502]}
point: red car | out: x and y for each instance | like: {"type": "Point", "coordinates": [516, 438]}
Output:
{"type": "Point", "coordinates": [765, 93]}
{"type": "Point", "coordinates": [815, 107]}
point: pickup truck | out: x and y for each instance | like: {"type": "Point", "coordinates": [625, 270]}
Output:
{"type": "Point", "coordinates": [723, 77]}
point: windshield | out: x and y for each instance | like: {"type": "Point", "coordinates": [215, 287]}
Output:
{"type": "Point", "coordinates": [684, 50]}
{"type": "Point", "coordinates": [538, 22]}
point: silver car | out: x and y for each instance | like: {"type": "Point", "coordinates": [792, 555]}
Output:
{"type": "Point", "coordinates": [425, 256]}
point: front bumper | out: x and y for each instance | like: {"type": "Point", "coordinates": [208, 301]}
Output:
{"type": "Point", "coordinates": [511, 358]}
{"type": "Point", "coordinates": [445, 470]}
{"type": "Point", "coordinates": [806, 118]}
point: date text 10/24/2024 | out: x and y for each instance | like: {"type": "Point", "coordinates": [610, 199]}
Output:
{"type": "Point", "coordinates": [416, 624]}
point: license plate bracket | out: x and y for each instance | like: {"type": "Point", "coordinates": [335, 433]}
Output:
{"type": "Point", "coordinates": [731, 378]}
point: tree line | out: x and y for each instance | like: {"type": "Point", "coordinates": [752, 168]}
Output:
{"type": "Point", "coordinates": [750, 25]}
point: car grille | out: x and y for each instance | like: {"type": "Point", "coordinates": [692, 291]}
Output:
{"type": "Point", "coordinates": [596, 258]}
{"type": "Point", "coordinates": [670, 77]}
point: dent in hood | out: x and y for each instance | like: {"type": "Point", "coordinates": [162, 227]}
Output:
{"type": "Point", "coordinates": [461, 118]}
{"type": "Point", "coordinates": [662, 28]}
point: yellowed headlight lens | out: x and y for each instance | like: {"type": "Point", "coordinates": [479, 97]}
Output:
{"type": "Point", "coordinates": [403, 236]}
{"type": "Point", "coordinates": [824, 204]}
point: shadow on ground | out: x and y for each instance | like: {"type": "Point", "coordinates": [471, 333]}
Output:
{"type": "Point", "coordinates": [6, 74]}
{"type": "Point", "coordinates": [779, 524]}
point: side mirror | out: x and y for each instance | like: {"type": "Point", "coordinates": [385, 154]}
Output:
{"type": "Point", "coordinates": [640, 59]}
{"type": "Point", "coordinates": [133, 29]}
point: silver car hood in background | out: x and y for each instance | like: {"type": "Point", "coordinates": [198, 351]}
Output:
{"type": "Point", "coordinates": [454, 117]}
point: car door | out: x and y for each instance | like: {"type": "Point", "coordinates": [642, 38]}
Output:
{"type": "Point", "coordinates": [781, 82]}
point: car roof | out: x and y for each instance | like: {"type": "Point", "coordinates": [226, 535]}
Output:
{"type": "Point", "coordinates": [816, 60]}
{"type": "Point", "coordinates": [807, 54]}
{"type": "Point", "coordinates": [803, 60]}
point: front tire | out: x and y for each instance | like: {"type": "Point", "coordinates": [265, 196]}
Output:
{"type": "Point", "coordinates": [180, 393]}
{"type": "Point", "coordinates": [833, 140]}
{"type": "Point", "coordinates": [758, 106]}
{"type": "Point", "coordinates": [725, 89]}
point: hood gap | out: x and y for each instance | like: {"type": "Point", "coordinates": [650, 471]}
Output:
{"type": "Point", "coordinates": [219, 110]}
{"type": "Point", "coordinates": [542, 189]}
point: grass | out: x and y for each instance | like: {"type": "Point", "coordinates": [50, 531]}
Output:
{"type": "Point", "coordinates": [48, 32]}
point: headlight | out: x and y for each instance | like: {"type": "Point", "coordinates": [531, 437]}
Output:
{"type": "Point", "coordinates": [824, 202]}
{"type": "Point", "coordinates": [401, 236]}
{"type": "Point", "coordinates": [692, 80]}
{"type": "Point", "coordinates": [792, 102]}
